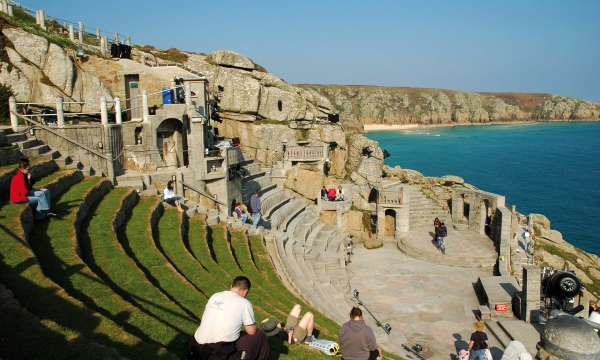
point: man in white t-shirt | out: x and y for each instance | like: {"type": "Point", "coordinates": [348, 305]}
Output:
{"type": "Point", "coordinates": [224, 315]}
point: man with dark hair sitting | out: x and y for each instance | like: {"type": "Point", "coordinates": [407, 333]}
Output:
{"type": "Point", "coordinates": [357, 340]}
{"type": "Point", "coordinates": [224, 315]}
{"type": "Point", "coordinates": [22, 191]}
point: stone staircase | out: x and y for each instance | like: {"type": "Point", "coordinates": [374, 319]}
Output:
{"type": "Point", "coordinates": [312, 254]}
{"type": "Point", "coordinates": [424, 210]}
{"type": "Point", "coordinates": [26, 145]}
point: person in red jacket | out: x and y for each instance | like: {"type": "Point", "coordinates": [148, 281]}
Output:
{"type": "Point", "coordinates": [21, 191]}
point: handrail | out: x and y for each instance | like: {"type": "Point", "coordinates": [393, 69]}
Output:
{"type": "Point", "coordinates": [202, 193]}
{"type": "Point", "coordinates": [56, 133]}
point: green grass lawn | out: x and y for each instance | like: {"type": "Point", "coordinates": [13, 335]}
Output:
{"type": "Point", "coordinates": [63, 319]}
{"type": "Point", "coordinates": [56, 246]}
{"type": "Point", "coordinates": [107, 257]}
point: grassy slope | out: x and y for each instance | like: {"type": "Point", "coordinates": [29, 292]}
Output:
{"type": "Point", "coordinates": [58, 255]}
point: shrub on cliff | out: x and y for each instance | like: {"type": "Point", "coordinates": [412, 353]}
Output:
{"type": "Point", "coordinates": [5, 93]}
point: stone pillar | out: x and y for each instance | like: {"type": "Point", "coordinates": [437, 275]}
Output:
{"type": "Point", "coordinates": [81, 33]}
{"type": "Point", "coordinates": [10, 10]}
{"type": "Point", "coordinates": [103, 111]}
{"type": "Point", "coordinates": [12, 107]}
{"type": "Point", "coordinates": [188, 95]}
{"type": "Point", "coordinates": [60, 112]}
{"type": "Point", "coordinates": [179, 183]}
{"type": "Point", "coordinates": [339, 217]}
{"type": "Point", "coordinates": [42, 19]}
{"type": "Point", "coordinates": [458, 205]}
{"type": "Point", "coordinates": [505, 217]}
{"type": "Point", "coordinates": [145, 109]}
{"type": "Point", "coordinates": [98, 36]}
{"type": "Point", "coordinates": [4, 6]}
{"type": "Point", "coordinates": [117, 40]}
{"type": "Point", "coordinates": [403, 213]}
{"type": "Point", "coordinates": [380, 223]}
{"type": "Point", "coordinates": [128, 40]}
{"type": "Point", "coordinates": [104, 45]}
{"type": "Point", "coordinates": [530, 296]}
{"type": "Point", "coordinates": [71, 33]}
{"type": "Point", "coordinates": [118, 114]}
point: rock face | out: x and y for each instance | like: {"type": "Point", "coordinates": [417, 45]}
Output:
{"type": "Point", "coordinates": [39, 71]}
{"type": "Point", "coordinates": [248, 93]}
{"type": "Point", "coordinates": [362, 105]}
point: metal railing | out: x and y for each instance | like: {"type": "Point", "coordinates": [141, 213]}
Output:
{"type": "Point", "coordinates": [304, 153]}
{"type": "Point", "coordinates": [194, 189]}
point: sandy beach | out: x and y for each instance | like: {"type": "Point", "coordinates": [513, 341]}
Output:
{"type": "Point", "coordinates": [397, 127]}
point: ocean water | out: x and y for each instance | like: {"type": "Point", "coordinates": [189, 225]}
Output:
{"type": "Point", "coordinates": [549, 168]}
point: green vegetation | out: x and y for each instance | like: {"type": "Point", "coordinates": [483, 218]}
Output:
{"type": "Point", "coordinates": [138, 240]}
{"type": "Point", "coordinates": [64, 320]}
{"type": "Point", "coordinates": [172, 54]}
{"type": "Point", "coordinates": [23, 20]}
{"type": "Point", "coordinates": [549, 248]}
{"type": "Point", "coordinates": [58, 256]}
{"type": "Point", "coordinates": [105, 255]}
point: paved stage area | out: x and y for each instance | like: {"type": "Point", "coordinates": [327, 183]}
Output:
{"type": "Point", "coordinates": [463, 248]}
{"type": "Point", "coordinates": [425, 302]}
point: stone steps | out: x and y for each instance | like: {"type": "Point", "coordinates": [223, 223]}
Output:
{"type": "Point", "coordinates": [498, 332]}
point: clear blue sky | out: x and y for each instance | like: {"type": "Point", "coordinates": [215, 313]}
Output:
{"type": "Point", "coordinates": [535, 46]}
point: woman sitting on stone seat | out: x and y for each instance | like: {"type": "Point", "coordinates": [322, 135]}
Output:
{"type": "Point", "coordinates": [170, 197]}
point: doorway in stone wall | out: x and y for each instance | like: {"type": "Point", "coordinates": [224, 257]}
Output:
{"type": "Point", "coordinates": [390, 223]}
{"type": "Point", "coordinates": [132, 94]}
{"type": "Point", "coordinates": [171, 142]}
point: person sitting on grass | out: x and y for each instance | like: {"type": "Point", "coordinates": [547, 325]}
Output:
{"type": "Point", "coordinates": [170, 198]}
{"type": "Point", "coordinates": [22, 191]}
{"type": "Point", "coordinates": [357, 340]}
{"type": "Point", "coordinates": [299, 330]}
{"type": "Point", "coordinates": [224, 315]}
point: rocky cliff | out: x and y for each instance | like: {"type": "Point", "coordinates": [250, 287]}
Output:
{"type": "Point", "coordinates": [363, 105]}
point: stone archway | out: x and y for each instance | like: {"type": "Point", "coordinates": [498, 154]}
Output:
{"type": "Point", "coordinates": [390, 223]}
{"type": "Point", "coordinates": [171, 141]}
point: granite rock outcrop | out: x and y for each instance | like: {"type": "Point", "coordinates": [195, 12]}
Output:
{"type": "Point", "coordinates": [365, 105]}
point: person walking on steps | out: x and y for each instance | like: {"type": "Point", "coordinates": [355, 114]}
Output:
{"type": "Point", "coordinates": [255, 204]}
{"type": "Point", "coordinates": [478, 346]}
{"type": "Point", "coordinates": [442, 233]}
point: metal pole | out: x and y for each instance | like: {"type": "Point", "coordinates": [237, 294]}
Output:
{"type": "Point", "coordinates": [12, 107]}
{"type": "Point", "coordinates": [118, 115]}
{"type": "Point", "coordinates": [103, 111]}
{"type": "Point", "coordinates": [60, 112]}
{"type": "Point", "coordinates": [145, 109]}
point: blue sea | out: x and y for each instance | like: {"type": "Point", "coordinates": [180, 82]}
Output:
{"type": "Point", "coordinates": [549, 168]}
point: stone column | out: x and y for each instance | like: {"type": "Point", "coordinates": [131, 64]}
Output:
{"type": "Point", "coordinates": [81, 32]}
{"type": "Point", "coordinates": [145, 109]}
{"type": "Point", "coordinates": [12, 107]}
{"type": "Point", "coordinates": [60, 112]}
{"type": "Point", "coordinates": [10, 10]}
{"type": "Point", "coordinates": [104, 45]}
{"type": "Point", "coordinates": [42, 19]}
{"type": "Point", "coordinates": [128, 40]}
{"type": "Point", "coordinates": [117, 40]}
{"type": "Point", "coordinates": [179, 183]}
{"type": "Point", "coordinates": [530, 296]}
{"type": "Point", "coordinates": [118, 114]}
{"type": "Point", "coordinates": [4, 6]}
{"type": "Point", "coordinates": [103, 111]}
{"type": "Point", "coordinates": [403, 213]}
{"type": "Point", "coordinates": [71, 33]}
{"type": "Point", "coordinates": [458, 205]}
{"type": "Point", "coordinates": [188, 95]}
{"type": "Point", "coordinates": [98, 36]}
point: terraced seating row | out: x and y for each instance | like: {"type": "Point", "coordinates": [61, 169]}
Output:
{"type": "Point", "coordinates": [262, 184]}
{"type": "Point", "coordinates": [68, 319]}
